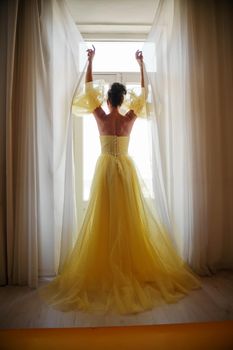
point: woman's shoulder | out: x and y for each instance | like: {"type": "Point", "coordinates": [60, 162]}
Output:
{"type": "Point", "coordinates": [130, 115]}
{"type": "Point", "coordinates": [114, 115]}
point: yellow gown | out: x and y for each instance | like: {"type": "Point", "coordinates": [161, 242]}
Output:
{"type": "Point", "coordinates": [123, 260]}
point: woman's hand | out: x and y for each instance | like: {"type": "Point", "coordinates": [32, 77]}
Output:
{"type": "Point", "coordinates": [139, 57]}
{"type": "Point", "coordinates": [91, 53]}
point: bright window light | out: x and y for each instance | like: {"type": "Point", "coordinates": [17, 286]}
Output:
{"type": "Point", "coordinates": [115, 56]}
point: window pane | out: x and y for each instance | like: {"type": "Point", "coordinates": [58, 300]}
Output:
{"type": "Point", "coordinates": [138, 150]}
{"type": "Point", "coordinates": [91, 149]}
{"type": "Point", "coordinates": [115, 56]}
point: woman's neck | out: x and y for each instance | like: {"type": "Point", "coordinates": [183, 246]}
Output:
{"type": "Point", "coordinates": [113, 110]}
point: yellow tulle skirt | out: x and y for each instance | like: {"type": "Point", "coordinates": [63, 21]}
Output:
{"type": "Point", "coordinates": [123, 260]}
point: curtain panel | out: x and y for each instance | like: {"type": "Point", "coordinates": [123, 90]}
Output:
{"type": "Point", "coordinates": [40, 67]}
{"type": "Point", "coordinates": [191, 81]}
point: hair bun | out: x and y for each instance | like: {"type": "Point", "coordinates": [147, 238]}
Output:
{"type": "Point", "coordinates": [116, 94]}
{"type": "Point", "coordinates": [117, 88]}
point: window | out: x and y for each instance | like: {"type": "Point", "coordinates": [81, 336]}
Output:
{"type": "Point", "coordinates": [86, 143]}
{"type": "Point", "coordinates": [115, 56]}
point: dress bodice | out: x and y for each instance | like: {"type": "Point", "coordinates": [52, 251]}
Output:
{"type": "Point", "coordinates": [114, 145]}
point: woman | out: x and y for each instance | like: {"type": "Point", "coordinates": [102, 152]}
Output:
{"type": "Point", "coordinates": [123, 259]}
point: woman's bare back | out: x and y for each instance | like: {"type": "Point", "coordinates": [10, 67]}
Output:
{"type": "Point", "coordinates": [114, 123]}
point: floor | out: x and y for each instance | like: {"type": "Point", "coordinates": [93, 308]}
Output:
{"type": "Point", "coordinates": [20, 307]}
{"type": "Point", "coordinates": [186, 336]}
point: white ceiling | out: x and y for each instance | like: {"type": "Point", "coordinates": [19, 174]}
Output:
{"type": "Point", "coordinates": [113, 19]}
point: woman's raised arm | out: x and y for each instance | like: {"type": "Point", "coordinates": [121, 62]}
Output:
{"type": "Point", "coordinates": [139, 58]}
{"type": "Point", "coordinates": [90, 56]}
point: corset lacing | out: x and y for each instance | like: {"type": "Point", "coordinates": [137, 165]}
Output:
{"type": "Point", "coordinates": [115, 145]}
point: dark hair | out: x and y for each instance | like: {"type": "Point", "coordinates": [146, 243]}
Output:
{"type": "Point", "coordinates": [116, 94]}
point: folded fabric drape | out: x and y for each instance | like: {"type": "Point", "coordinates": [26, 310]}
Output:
{"type": "Point", "coordinates": [192, 90]}
{"type": "Point", "coordinates": [41, 66]}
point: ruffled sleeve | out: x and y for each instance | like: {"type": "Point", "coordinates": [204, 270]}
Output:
{"type": "Point", "coordinates": [87, 100]}
{"type": "Point", "coordinates": [135, 102]}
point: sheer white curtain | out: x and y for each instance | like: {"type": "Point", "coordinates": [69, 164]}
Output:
{"type": "Point", "coordinates": [192, 89]}
{"type": "Point", "coordinates": [40, 68]}
{"type": "Point", "coordinates": [65, 62]}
